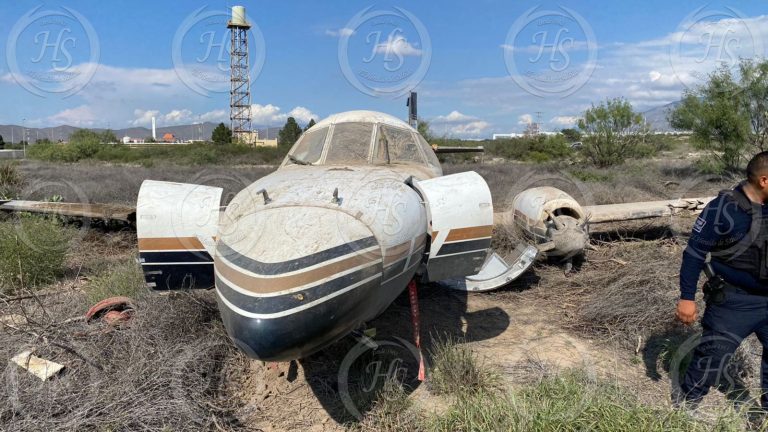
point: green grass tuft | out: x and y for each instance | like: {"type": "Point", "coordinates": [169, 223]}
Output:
{"type": "Point", "coordinates": [456, 370]}
{"type": "Point", "coordinates": [122, 279]}
{"type": "Point", "coordinates": [33, 250]}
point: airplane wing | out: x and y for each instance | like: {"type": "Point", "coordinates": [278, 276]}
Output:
{"type": "Point", "coordinates": [644, 210]}
{"type": "Point", "coordinates": [91, 211]}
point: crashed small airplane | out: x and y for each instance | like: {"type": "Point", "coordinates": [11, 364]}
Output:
{"type": "Point", "coordinates": [357, 210]}
{"type": "Point", "coordinates": [307, 254]}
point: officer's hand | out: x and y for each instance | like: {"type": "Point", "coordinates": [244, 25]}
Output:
{"type": "Point", "coordinates": [686, 311]}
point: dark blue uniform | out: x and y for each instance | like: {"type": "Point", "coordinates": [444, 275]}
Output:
{"type": "Point", "coordinates": [731, 229]}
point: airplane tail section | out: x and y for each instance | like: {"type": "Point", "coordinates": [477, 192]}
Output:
{"type": "Point", "coordinates": [177, 225]}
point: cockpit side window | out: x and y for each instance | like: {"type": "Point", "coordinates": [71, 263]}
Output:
{"type": "Point", "coordinates": [309, 148]}
{"type": "Point", "coordinates": [350, 143]}
{"type": "Point", "coordinates": [396, 145]}
{"type": "Point", "coordinates": [428, 151]}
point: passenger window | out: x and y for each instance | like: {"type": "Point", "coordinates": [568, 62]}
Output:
{"type": "Point", "coordinates": [309, 148]}
{"type": "Point", "coordinates": [350, 143]}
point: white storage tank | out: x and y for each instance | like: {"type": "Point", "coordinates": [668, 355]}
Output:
{"type": "Point", "coordinates": [238, 16]}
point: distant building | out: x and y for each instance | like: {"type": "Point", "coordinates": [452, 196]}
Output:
{"type": "Point", "coordinates": [507, 136]}
{"type": "Point", "coordinates": [253, 140]}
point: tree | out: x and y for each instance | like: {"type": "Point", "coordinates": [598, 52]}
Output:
{"type": "Point", "coordinates": [716, 114]}
{"type": "Point", "coordinates": [423, 127]}
{"type": "Point", "coordinates": [289, 133]}
{"type": "Point", "coordinates": [754, 84]}
{"type": "Point", "coordinates": [221, 134]}
{"type": "Point", "coordinates": [108, 136]}
{"type": "Point", "coordinates": [613, 131]}
{"type": "Point", "coordinates": [571, 134]}
{"type": "Point", "coordinates": [310, 124]}
{"type": "Point", "coordinates": [2, 143]}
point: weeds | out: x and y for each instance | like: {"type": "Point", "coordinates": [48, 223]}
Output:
{"type": "Point", "coordinates": [11, 181]}
{"type": "Point", "coordinates": [123, 279]}
{"type": "Point", "coordinates": [32, 251]}
{"type": "Point", "coordinates": [570, 401]}
{"type": "Point", "coordinates": [457, 371]}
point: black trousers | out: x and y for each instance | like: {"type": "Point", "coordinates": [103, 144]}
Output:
{"type": "Point", "coordinates": [725, 326]}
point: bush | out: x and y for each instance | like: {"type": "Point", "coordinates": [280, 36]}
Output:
{"type": "Point", "coordinates": [32, 252]}
{"type": "Point", "coordinates": [456, 370]}
{"type": "Point", "coordinates": [123, 279]}
{"type": "Point", "coordinates": [11, 181]}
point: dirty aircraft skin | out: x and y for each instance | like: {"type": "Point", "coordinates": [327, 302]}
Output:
{"type": "Point", "coordinates": [309, 253]}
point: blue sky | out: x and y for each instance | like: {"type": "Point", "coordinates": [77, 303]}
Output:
{"type": "Point", "coordinates": [480, 67]}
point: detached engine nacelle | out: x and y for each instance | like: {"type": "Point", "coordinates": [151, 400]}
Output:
{"type": "Point", "coordinates": [553, 219]}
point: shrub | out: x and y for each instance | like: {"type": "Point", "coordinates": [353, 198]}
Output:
{"type": "Point", "coordinates": [11, 181]}
{"type": "Point", "coordinates": [123, 279]}
{"type": "Point", "coordinates": [32, 251]}
{"type": "Point", "coordinates": [456, 370]}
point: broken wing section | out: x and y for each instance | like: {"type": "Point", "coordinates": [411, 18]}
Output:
{"type": "Point", "coordinates": [460, 215]}
{"type": "Point", "coordinates": [177, 225]}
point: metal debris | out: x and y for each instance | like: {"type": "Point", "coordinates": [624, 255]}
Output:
{"type": "Point", "coordinates": [39, 367]}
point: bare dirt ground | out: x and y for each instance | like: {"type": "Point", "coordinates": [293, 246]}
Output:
{"type": "Point", "coordinates": [611, 317]}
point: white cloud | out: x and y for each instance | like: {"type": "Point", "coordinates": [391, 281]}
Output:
{"type": "Point", "coordinates": [82, 116]}
{"type": "Point", "coordinates": [459, 125]}
{"type": "Point", "coordinates": [564, 121]}
{"type": "Point", "coordinates": [397, 45]}
{"type": "Point", "coordinates": [272, 115]}
{"type": "Point", "coordinates": [453, 117]}
{"type": "Point", "coordinates": [525, 119]}
{"type": "Point", "coordinates": [176, 117]}
{"type": "Point", "coordinates": [340, 32]}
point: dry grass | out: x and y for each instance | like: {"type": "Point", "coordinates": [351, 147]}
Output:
{"type": "Point", "coordinates": [161, 373]}
{"type": "Point", "coordinates": [106, 183]}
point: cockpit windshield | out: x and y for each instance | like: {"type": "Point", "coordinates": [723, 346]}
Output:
{"type": "Point", "coordinates": [361, 143]}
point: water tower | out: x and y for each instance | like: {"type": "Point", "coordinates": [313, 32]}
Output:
{"type": "Point", "coordinates": [240, 82]}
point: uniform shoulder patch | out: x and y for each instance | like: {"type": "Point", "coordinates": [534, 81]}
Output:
{"type": "Point", "coordinates": [699, 224]}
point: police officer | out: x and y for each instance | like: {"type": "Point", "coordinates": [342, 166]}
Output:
{"type": "Point", "coordinates": [733, 231]}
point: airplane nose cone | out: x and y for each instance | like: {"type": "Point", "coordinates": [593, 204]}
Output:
{"type": "Point", "coordinates": [292, 280]}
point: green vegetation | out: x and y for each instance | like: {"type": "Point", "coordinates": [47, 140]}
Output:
{"type": "Point", "coordinates": [728, 117]}
{"type": "Point", "coordinates": [456, 370]}
{"type": "Point", "coordinates": [613, 132]}
{"type": "Point", "coordinates": [11, 181]}
{"type": "Point", "coordinates": [289, 134]}
{"type": "Point", "coordinates": [568, 402]}
{"type": "Point", "coordinates": [190, 154]}
{"type": "Point", "coordinates": [221, 134]}
{"type": "Point", "coordinates": [32, 251]}
{"type": "Point", "coordinates": [542, 148]}
{"type": "Point", "coordinates": [123, 279]}
{"type": "Point", "coordinates": [310, 124]}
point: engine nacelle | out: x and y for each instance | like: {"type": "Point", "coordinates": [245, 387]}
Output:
{"type": "Point", "coordinates": [553, 219]}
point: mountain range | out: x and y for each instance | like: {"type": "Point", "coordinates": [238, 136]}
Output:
{"type": "Point", "coordinates": [657, 117]}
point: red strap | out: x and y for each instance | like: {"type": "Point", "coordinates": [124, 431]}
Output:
{"type": "Point", "coordinates": [413, 294]}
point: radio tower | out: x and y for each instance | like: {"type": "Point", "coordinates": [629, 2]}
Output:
{"type": "Point", "coordinates": [240, 82]}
